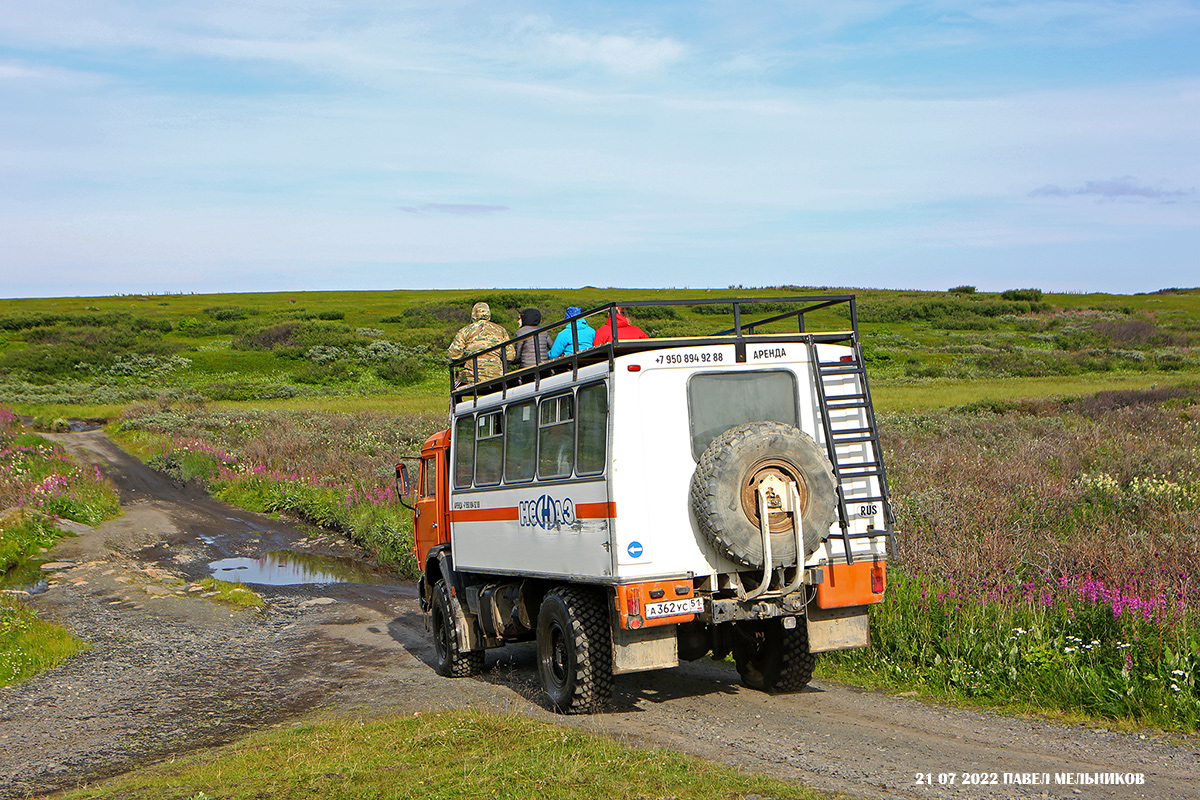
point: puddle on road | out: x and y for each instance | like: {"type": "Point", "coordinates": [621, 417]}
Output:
{"type": "Point", "coordinates": [26, 576]}
{"type": "Point", "coordinates": [288, 568]}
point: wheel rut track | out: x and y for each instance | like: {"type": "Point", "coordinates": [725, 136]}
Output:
{"type": "Point", "coordinates": [164, 676]}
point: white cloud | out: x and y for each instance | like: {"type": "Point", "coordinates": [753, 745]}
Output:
{"type": "Point", "coordinates": [621, 55]}
{"type": "Point", "coordinates": [12, 72]}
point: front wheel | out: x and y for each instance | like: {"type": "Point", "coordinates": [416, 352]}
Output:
{"type": "Point", "coordinates": [449, 657]}
{"type": "Point", "coordinates": [575, 650]}
{"type": "Point", "coordinates": [773, 658]}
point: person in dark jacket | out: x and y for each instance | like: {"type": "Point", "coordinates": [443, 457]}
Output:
{"type": "Point", "coordinates": [625, 329]}
{"type": "Point", "coordinates": [533, 349]}
{"type": "Point", "coordinates": [564, 343]}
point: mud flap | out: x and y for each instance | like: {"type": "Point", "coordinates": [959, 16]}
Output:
{"type": "Point", "coordinates": [643, 649]}
{"type": "Point", "coordinates": [469, 635]}
{"type": "Point", "coordinates": [837, 628]}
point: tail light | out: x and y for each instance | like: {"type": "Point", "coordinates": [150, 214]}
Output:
{"type": "Point", "coordinates": [877, 581]}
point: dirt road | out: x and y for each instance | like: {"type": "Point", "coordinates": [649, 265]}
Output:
{"type": "Point", "coordinates": [170, 670]}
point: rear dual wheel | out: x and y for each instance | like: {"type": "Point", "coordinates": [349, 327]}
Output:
{"type": "Point", "coordinates": [773, 658]}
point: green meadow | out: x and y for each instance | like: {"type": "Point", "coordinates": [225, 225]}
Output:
{"type": "Point", "coordinates": [1043, 453]}
{"type": "Point", "coordinates": [348, 351]}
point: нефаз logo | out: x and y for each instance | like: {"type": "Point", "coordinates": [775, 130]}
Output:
{"type": "Point", "coordinates": [546, 512]}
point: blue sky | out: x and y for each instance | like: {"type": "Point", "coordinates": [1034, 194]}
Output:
{"type": "Point", "coordinates": [258, 145]}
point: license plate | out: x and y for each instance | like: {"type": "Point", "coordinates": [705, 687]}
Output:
{"type": "Point", "coordinates": [674, 608]}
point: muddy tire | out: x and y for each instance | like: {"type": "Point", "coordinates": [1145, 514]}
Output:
{"type": "Point", "coordinates": [772, 658]}
{"type": "Point", "coordinates": [724, 491]}
{"type": "Point", "coordinates": [575, 650]}
{"type": "Point", "coordinates": [450, 659]}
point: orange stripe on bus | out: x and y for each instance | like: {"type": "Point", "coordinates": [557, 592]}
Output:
{"type": "Point", "coordinates": [596, 510]}
{"type": "Point", "coordinates": [483, 514]}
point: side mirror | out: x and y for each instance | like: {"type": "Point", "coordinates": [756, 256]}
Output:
{"type": "Point", "coordinates": [403, 485]}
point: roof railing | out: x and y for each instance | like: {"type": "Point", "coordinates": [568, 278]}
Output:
{"type": "Point", "coordinates": [739, 308]}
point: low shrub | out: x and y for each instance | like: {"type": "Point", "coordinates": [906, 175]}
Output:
{"type": "Point", "coordinates": [268, 338]}
{"type": "Point", "coordinates": [325, 373]}
{"type": "Point", "coordinates": [26, 320]}
{"type": "Point", "coordinates": [403, 372]}
{"type": "Point", "coordinates": [230, 313]}
{"type": "Point", "coordinates": [1101, 403]}
{"type": "Point", "coordinates": [67, 352]}
{"type": "Point", "coordinates": [294, 339]}
{"type": "Point", "coordinates": [1136, 333]}
{"type": "Point", "coordinates": [246, 390]}
{"type": "Point", "coordinates": [434, 315]}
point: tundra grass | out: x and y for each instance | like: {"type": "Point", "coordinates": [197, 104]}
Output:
{"type": "Point", "coordinates": [436, 756]}
{"type": "Point", "coordinates": [1048, 559]}
{"type": "Point", "coordinates": [900, 394]}
{"type": "Point", "coordinates": [28, 644]}
{"type": "Point", "coordinates": [1083, 651]}
{"type": "Point", "coordinates": [433, 403]}
{"type": "Point", "coordinates": [69, 410]}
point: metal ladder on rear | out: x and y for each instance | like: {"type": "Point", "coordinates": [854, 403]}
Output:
{"type": "Point", "coordinates": [825, 372]}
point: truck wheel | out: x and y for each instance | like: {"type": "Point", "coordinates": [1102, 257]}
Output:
{"type": "Point", "coordinates": [773, 658]}
{"type": "Point", "coordinates": [575, 650]}
{"type": "Point", "coordinates": [449, 657]}
{"type": "Point", "coordinates": [725, 491]}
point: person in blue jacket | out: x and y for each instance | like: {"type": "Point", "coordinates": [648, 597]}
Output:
{"type": "Point", "coordinates": [564, 344]}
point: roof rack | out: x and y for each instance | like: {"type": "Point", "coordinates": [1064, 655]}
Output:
{"type": "Point", "coordinates": [740, 335]}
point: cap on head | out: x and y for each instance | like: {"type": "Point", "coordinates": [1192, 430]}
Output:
{"type": "Point", "coordinates": [574, 311]}
{"type": "Point", "coordinates": [531, 316]}
{"type": "Point", "coordinates": [481, 311]}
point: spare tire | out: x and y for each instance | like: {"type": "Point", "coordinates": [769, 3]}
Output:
{"type": "Point", "coordinates": [725, 491]}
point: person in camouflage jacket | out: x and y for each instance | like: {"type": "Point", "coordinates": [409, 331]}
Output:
{"type": "Point", "coordinates": [480, 334]}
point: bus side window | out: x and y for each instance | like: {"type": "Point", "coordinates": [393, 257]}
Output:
{"type": "Point", "coordinates": [556, 437]}
{"type": "Point", "coordinates": [464, 455]}
{"type": "Point", "coordinates": [489, 448]}
{"type": "Point", "coordinates": [593, 429]}
{"type": "Point", "coordinates": [520, 435]}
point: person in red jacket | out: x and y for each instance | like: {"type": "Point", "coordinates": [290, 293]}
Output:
{"type": "Point", "coordinates": [625, 329]}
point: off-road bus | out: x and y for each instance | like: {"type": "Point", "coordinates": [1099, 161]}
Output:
{"type": "Point", "coordinates": [648, 501]}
